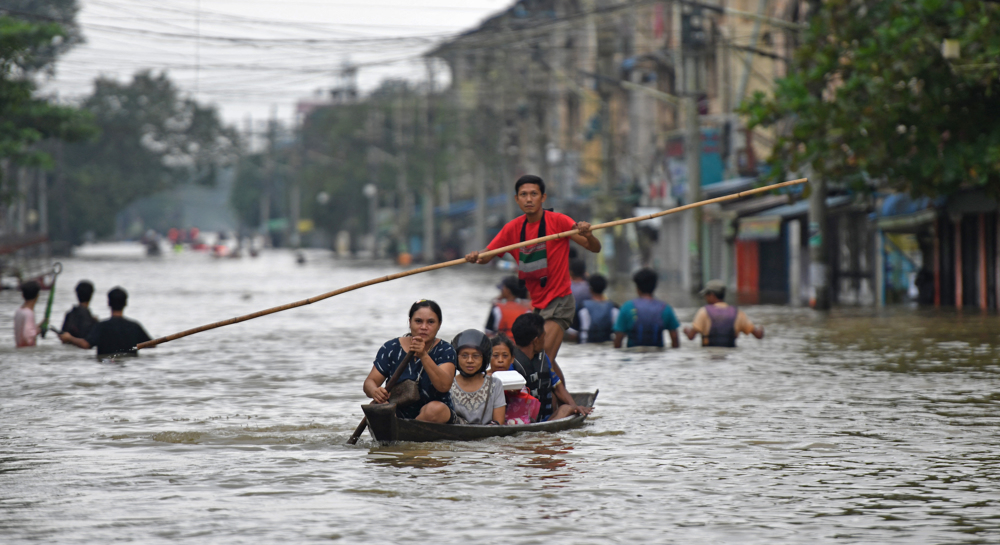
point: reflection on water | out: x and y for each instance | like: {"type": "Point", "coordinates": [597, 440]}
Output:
{"type": "Point", "coordinates": [407, 455]}
{"type": "Point", "coordinates": [547, 455]}
{"type": "Point", "coordinates": [851, 427]}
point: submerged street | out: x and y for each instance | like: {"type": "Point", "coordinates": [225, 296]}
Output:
{"type": "Point", "coordinates": [847, 427]}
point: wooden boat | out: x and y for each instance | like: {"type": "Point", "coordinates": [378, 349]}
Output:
{"type": "Point", "coordinates": [386, 427]}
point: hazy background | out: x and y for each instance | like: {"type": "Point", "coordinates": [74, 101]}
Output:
{"type": "Point", "coordinates": [249, 56]}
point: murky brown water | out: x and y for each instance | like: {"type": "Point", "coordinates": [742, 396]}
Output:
{"type": "Point", "coordinates": [852, 428]}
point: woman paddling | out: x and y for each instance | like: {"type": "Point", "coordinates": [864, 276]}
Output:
{"type": "Point", "coordinates": [432, 366]}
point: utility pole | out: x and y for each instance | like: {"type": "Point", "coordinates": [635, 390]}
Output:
{"type": "Point", "coordinates": [428, 198]}
{"type": "Point", "coordinates": [692, 149]}
{"type": "Point", "coordinates": [43, 201]}
{"type": "Point", "coordinates": [61, 191]}
{"type": "Point", "coordinates": [402, 186]}
{"type": "Point", "coordinates": [371, 191]}
{"type": "Point", "coordinates": [608, 206]}
{"type": "Point", "coordinates": [294, 191]}
{"type": "Point", "coordinates": [818, 266]}
{"type": "Point", "coordinates": [690, 26]}
{"type": "Point", "coordinates": [480, 225]}
{"type": "Point", "coordinates": [267, 180]}
{"type": "Point", "coordinates": [22, 198]}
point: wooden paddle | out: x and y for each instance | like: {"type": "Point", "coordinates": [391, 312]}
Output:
{"type": "Point", "coordinates": [452, 263]}
{"type": "Point", "coordinates": [388, 386]}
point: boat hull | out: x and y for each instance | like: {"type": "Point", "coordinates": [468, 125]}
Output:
{"type": "Point", "coordinates": [387, 428]}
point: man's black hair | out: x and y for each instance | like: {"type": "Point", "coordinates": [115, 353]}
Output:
{"type": "Point", "coordinates": [30, 290]}
{"type": "Point", "coordinates": [526, 328]}
{"type": "Point", "coordinates": [578, 268]}
{"type": "Point", "coordinates": [529, 179]}
{"type": "Point", "coordinates": [84, 291]}
{"type": "Point", "coordinates": [645, 280]}
{"type": "Point", "coordinates": [117, 298]}
{"type": "Point", "coordinates": [597, 283]}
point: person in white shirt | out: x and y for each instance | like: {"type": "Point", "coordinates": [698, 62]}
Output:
{"type": "Point", "coordinates": [25, 329]}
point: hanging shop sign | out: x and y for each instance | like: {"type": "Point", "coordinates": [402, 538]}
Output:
{"type": "Point", "coordinates": [760, 228]}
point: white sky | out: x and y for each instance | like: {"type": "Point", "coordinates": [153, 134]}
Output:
{"type": "Point", "coordinates": [255, 55]}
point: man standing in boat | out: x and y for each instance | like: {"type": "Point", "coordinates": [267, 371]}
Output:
{"type": "Point", "coordinates": [543, 267]}
{"type": "Point", "coordinates": [718, 323]}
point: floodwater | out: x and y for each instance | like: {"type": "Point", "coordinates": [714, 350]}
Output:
{"type": "Point", "coordinates": [855, 427]}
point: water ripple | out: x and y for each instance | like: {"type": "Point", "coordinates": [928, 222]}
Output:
{"type": "Point", "coordinates": [853, 427]}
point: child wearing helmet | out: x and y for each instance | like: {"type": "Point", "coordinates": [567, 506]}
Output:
{"type": "Point", "coordinates": [476, 397]}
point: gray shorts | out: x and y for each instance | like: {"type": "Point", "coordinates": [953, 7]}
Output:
{"type": "Point", "coordinates": [561, 310]}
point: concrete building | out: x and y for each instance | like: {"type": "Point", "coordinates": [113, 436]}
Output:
{"type": "Point", "coordinates": [590, 95]}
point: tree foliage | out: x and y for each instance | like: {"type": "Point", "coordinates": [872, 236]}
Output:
{"type": "Point", "coordinates": [340, 148]}
{"type": "Point", "coordinates": [871, 97]}
{"type": "Point", "coordinates": [25, 119]}
{"type": "Point", "coordinates": [60, 12]}
{"type": "Point", "coordinates": [151, 139]}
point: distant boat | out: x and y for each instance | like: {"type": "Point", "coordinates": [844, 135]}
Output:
{"type": "Point", "coordinates": [386, 427]}
{"type": "Point", "coordinates": [23, 257]}
{"type": "Point", "coordinates": [111, 250]}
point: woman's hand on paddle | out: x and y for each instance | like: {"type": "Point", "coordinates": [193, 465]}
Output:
{"type": "Point", "coordinates": [418, 346]}
{"type": "Point", "coordinates": [380, 395]}
{"type": "Point", "coordinates": [373, 386]}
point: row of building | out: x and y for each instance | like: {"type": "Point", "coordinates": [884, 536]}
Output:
{"type": "Point", "coordinates": [605, 100]}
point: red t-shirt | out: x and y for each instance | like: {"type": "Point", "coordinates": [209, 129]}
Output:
{"type": "Point", "coordinates": [557, 254]}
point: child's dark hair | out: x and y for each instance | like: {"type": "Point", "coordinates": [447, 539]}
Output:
{"type": "Point", "coordinates": [526, 328]}
{"type": "Point", "coordinates": [578, 267]}
{"type": "Point", "coordinates": [117, 298]}
{"type": "Point", "coordinates": [597, 283]}
{"type": "Point", "coordinates": [30, 290]}
{"type": "Point", "coordinates": [529, 179]}
{"type": "Point", "coordinates": [645, 280]}
{"type": "Point", "coordinates": [84, 291]}
{"type": "Point", "coordinates": [426, 303]}
{"type": "Point", "coordinates": [502, 339]}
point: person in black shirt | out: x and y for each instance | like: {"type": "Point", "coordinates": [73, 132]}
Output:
{"type": "Point", "coordinates": [115, 336]}
{"type": "Point", "coordinates": [79, 321]}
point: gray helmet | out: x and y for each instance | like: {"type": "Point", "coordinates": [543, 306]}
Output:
{"type": "Point", "coordinates": [473, 338]}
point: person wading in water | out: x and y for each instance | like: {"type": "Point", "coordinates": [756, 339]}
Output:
{"type": "Point", "coordinates": [26, 331]}
{"type": "Point", "coordinates": [597, 314]}
{"type": "Point", "coordinates": [718, 323]}
{"type": "Point", "coordinates": [508, 307]}
{"type": "Point", "coordinates": [116, 336]}
{"type": "Point", "coordinates": [645, 318]}
{"type": "Point", "coordinates": [79, 321]}
{"type": "Point", "coordinates": [543, 267]}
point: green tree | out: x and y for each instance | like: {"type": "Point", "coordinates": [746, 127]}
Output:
{"type": "Point", "coordinates": [347, 146]}
{"type": "Point", "coordinates": [60, 12]}
{"type": "Point", "coordinates": [27, 120]}
{"type": "Point", "coordinates": [151, 139]}
{"type": "Point", "coordinates": [871, 97]}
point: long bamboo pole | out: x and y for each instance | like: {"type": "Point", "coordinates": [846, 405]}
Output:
{"type": "Point", "coordinates": [459, 261]}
